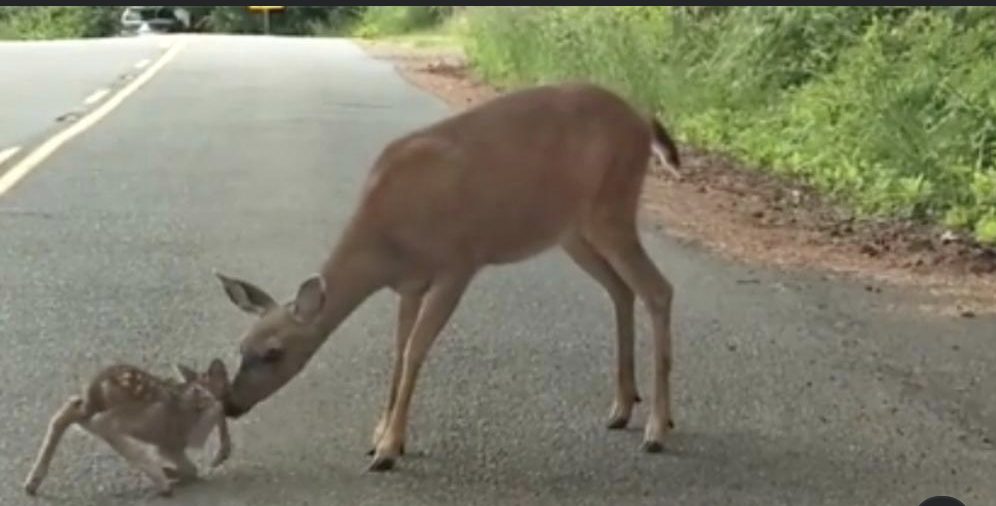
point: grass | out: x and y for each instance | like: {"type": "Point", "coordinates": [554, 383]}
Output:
{"type": "Point", "coordinates": [418, 30]}
{"type": "Point", "coordinates": [889, 110]}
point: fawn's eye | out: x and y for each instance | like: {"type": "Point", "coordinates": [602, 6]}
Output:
{"type": "Point", "coordinates": [272, 355]}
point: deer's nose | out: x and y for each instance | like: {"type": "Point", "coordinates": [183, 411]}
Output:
{"type": "Point", "coordinates": [233, 410]}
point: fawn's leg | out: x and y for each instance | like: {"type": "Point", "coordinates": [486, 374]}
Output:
{"type": "Point", "coordinates": [438, 305]}
{"type": "Point", "coordinates": [105, 427]}
{"type": "Point", "coordinates": [73, 411]}
{"type": "Point", "coordinates": [224, 443]}
{"type": "Point", "coordinates": [585, 256]}
{"type": "Point", "coordinates": [185, 469]}
{"type": "Point", "coordinates": [408, 307]}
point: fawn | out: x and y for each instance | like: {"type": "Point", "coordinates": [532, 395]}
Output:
{"type": "Point", "coordinates": [124, 405]}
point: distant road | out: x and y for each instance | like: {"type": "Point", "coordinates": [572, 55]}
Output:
{"type": "Point", "coordinates": [40, 81]}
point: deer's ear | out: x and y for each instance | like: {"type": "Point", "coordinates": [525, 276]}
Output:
{"type": "Point", "coordinates": [247, 296]}
{"type": "Point", "coordinates": [310, 299]}
{"type": "Point", "coordinates": [185, 373]}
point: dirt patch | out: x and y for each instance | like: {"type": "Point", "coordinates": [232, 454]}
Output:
{"type": "Point", "coordinates": [751, 216]}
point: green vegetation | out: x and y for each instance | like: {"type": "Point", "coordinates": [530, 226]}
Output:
{"type": "Point", "coordinates": [397, 20]}
{"type": "Point", "coordinates": [53, 22]}
{"type": "Point", "coordinates": [891, 110]}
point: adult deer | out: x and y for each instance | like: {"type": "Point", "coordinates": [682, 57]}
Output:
{"type": "Point", "coordinates": [496, 184]}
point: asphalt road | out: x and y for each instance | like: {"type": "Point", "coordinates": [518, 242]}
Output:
{"type": "Point", "coordinates": [245, 155]}
{"type": "Point", "coordinates": [41, 81]}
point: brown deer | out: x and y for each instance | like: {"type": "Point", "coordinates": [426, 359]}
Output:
{"type": "Point", "coordinates": [496, 184]}
{"type": "Point", "coordinates": [124, 405]}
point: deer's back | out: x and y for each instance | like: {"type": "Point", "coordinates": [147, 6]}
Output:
{"type": "Point", "coordinates": [151, 408]}
{"type": "Point", "coordinates": [506, 179]}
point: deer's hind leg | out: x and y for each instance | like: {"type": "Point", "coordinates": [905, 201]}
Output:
{"type": "Point", "coordinates": [612, 230]}
{"type": "Point", "coordinates": [591, 262]}
{"type": "Point", "coordinates": [72, 412]}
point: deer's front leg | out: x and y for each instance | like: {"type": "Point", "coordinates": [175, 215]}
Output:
{"type": "Point", "coordinates": [408, 307]}
{"type": "Point", "coordinates": [224, 443]}
{"type": "Point", "coordinates": [438, 305]}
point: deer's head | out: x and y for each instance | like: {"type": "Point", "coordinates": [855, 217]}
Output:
{"type": "Point", "coordinates": [278, 343]}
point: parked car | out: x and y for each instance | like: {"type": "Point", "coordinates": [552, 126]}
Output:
{"type": "Point", "coordinates": [137, 20]}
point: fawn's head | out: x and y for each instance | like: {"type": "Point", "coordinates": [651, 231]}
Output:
{"type": "Point", "coordinates": [214, 380]}
{"type": "Point", "coordinates": [277, 345]}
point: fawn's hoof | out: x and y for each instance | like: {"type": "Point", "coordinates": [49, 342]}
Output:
{"type": "Point", "coordinates": [31, 486]}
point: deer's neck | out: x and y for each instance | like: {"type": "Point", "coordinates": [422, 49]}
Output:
{"type": "Point", "coordinates": [351, 276]}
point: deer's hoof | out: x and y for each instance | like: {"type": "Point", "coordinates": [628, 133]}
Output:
{"type": "Point", "coordinates": [652, 447]}
{"type": "Point", "coordinates": [381, 464]}
{"type": "Point", "coordinates": [373, 450]}
{"type": "Point", "coordinates": [617, 423]}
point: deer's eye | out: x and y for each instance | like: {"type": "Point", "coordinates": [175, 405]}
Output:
{"type": "Point", "coordinates": [272, 355]}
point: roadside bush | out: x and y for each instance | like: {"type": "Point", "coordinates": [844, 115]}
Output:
{"type": "Point", "coordinates": [889, 109]}
{"type": "Point", "coordinates": [380, 21]}
{"type": "Point", "coordinates": [55, 22]}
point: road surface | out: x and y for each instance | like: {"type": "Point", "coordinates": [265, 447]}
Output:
{"type": "Point", "coordinates": [45, 80]}
{"type": "Point", "coordinates": [246, 154]}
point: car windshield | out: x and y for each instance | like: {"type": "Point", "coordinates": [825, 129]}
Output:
{"type": "Point", "coordinates": [147, 13]}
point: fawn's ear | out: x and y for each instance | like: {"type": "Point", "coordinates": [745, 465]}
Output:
{"type": "Point", "coordinates": [247, 296]}
{"type": "Point", "coordinates": [218, 372]}
{"type": "Point", "coordinates": [186, 373]}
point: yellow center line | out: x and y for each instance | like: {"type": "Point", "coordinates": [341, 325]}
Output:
{"type": "Point", "coordinates": [52, 144]}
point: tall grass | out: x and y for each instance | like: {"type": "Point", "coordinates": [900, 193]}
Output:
{"type": "Point", "coordinates": [889, 109]}
{"type": "Point", "coordinates": [381, 21]}
{"type": "Point", "coordinates": [57, 22]}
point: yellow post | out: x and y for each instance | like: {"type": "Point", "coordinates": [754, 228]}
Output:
{"type": "Point", "coordinates": [266, 14]}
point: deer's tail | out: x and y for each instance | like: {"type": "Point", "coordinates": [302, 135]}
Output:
{"type": "Point", "coordinates": [663, 138]}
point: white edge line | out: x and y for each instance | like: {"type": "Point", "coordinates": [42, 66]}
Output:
{"type": "Point", "coordinates": [142, 63]}
{"type": "Point", "coordinates": [96, 96]}
{"type": "Point", "coordinates": [9, 152]}
{"type": "Point", "coordinates": [22, 168]}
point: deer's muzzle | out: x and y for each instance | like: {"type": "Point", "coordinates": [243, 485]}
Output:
{"type": "Point", "coordinates": [233, 410]}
